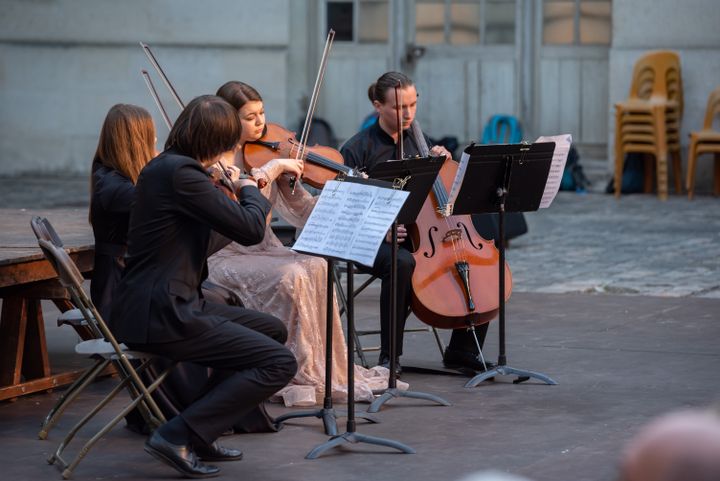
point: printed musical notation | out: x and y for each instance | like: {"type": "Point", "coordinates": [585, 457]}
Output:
{"type": "Point", "coordinates": [350, 220]}
{"type": "Point", "coordinates": [560, 155]}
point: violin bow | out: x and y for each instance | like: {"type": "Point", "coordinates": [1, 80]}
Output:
{"type": "Point", "coordinates": [159, 70]}
{"type": "Point", "coordinates": [173, 92]}
{"type": "Point", "coordinates": [156, 98]}
{"type": "Point", "coordinates": [398, 109]}
{"type": "Point", "coordinates": [313, 102]}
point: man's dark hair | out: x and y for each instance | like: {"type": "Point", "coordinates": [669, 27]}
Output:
{"type": "Point", "coordinates": [207, 127]}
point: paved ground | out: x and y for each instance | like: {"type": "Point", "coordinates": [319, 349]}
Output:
{"type": "Point", "coordinates": [617, 300]}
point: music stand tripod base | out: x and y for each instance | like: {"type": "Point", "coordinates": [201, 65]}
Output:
{"type": "Point", "coordinates": [354, 438]}
{"type": "Point", "coordinates": [351, 436]}
{"type": "Point", "coordinates": [327, 413]}
{"type": "Point", "coordinates": [394, 392]}
{"type": "Point", "coordinates": [522, 171]}
{"type": "Point", "coordinates": [522, 376]}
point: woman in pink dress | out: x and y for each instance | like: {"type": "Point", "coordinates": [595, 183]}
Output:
{"type": "Point", "coordinates": [271, 278]}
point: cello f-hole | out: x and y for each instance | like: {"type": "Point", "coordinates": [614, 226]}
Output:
{"type": "Point", "coordinates": [432, 242]}
{"type": "Point", "coordinates": [467, 233]}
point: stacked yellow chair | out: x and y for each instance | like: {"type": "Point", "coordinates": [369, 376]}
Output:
{"type": "Point", "coordinates": [705, 141]}
{"type": "Point", "coordinates": [649, 120]}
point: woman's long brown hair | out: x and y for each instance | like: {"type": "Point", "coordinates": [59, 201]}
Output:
{"type": "Point", "coordinates": [127, 140]}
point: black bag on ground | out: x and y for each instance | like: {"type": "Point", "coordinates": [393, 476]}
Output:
{"type": "Point", "coordinates": [633, 177]}
{"type": "Point", "coordinates": [573, 176]}
{"type": "Point", "coordinates": [488, 227]}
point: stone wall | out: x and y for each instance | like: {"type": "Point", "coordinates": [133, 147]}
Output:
{"type": "Point", "coordinates": [64, 63]}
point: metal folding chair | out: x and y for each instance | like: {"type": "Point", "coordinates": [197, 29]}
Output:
{"type": "Point", "coordinates": [357, 333]}
{"type": "Point", "coordinates": [106, 348]}
{"type": "Point", "coordinates": [74, 318]}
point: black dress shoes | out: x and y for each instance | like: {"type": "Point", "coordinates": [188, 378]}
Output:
{"type": "Point", "coordinates": [455, 359]}
{"type": "Point", "coordinates": [215, 452]}
{"type": "Point", "coordinates": [384, 361]}
{"type": "Point", "coordinates": [179, 457]}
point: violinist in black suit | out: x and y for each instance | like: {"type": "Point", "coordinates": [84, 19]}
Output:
{"type": "Point", "coordinates": [174, 225]}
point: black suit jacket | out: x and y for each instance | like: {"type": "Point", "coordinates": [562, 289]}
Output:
{"type": "Point", "coordinates": [112, 196]}
{"type": "Point", "coordinates": [176, 210]}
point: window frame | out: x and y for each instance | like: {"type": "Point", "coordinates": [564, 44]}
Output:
{"type": "Point", "coordinates": [447, 24]}
{"type": "Point", "coordinates": [356, 20]}
{"type": "Point", "coordinates": [576, 26]}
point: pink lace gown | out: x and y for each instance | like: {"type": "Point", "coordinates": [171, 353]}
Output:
{"type": "Point", "coordinates": [271, 278]}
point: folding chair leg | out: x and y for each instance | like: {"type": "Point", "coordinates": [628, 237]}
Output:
{"type": "Point", "coordinates": [69, 468]}
{"type": "Point", "coordinates": [69, 395]}
{"type": "Point", "coordinates": [57, 456]}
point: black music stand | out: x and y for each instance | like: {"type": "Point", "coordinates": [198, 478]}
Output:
{"type": "Point", "coordinates": [350, 436]}
{"type": "Point", "coordinates": [504, 178]}
{"type": "Point", "coordinates": [414, 175]}
{"type": "Point", "coordinates": [327, 413]}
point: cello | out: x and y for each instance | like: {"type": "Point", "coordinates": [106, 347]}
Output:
{"type": "Point", "coordinates": [455, 282]}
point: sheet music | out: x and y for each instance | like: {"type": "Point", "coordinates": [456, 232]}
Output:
{"type": "Point", "coordinates": [560, 155]}
{"type": "Point", "coordinates": [457, 182]}
{"type": "Point", "coordinates": [350, 221]}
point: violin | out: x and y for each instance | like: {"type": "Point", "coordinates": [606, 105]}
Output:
{"type": "Point", "coordinates": [221, 179]}
{"type": "Point", "coordinates": [321, 163]}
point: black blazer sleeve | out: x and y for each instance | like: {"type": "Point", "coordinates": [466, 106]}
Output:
{"type": "Point", "coordinates": [217, 242]}
{"type": "Point", "coordinates": [116, 193]}
{"type": "Point", "coordinates": [198, 198]}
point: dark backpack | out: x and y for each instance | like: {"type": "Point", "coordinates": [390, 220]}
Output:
{"type": "Point", "coordinates": [633, 177]}
{"type": "Point", "coordinates": [573, 176]}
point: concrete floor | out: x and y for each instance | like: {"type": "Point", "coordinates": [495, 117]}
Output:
{"type": "Point", "coordinates": [618, 301]}
{"type": "Point", "coordinates": [618, 361]}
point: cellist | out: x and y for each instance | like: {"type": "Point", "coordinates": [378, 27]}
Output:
{"type": "Point", "coordinates": [378, 143]}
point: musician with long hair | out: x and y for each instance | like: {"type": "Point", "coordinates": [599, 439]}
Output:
{"type": "Point", "coordinates": [177, 218]}
{"type": "Point", "coordinates": [273, 278]}
{"type": "Point", "coordinates": [378, 143]}
{"type": "Point", "coordinates": [126, 144]}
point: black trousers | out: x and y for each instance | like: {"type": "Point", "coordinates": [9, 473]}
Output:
{"type": "Point", "coordinates": [461, 339]}
{"type": "Point", "coordinates": [249, 365]}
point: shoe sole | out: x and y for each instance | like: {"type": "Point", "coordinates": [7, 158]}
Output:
{"type": "Point", "coordinates": [213, 459]}
{"type": "Point", "coordinates": [169, 462]}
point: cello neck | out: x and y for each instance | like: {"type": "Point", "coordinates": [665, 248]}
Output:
{"type": "Point", "coordinates": [441, 195]}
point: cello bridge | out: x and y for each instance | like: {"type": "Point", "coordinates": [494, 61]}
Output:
{"type": "Point", "coordinates": [453, 235]}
